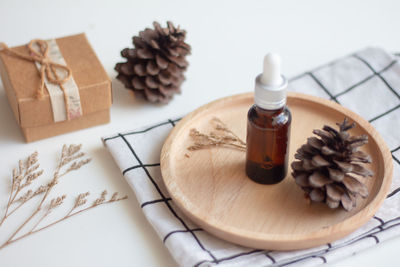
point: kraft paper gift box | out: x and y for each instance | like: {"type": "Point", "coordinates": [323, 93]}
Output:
{"type": "Point", "coordinates": [42, 117]}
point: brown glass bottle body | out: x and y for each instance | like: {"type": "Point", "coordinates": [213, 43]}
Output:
{"type": "Point", "coordinates": [268, 134]}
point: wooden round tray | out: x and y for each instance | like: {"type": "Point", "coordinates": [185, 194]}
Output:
{"type": "Point", "coordinates": [210, 185]}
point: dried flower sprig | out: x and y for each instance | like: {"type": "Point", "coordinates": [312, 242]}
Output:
{"type": "Point", "coordinates": [23, 176]}
{"type": "Point", "coordinates": [27, 172]}
{"type": "Point", "coordinates": [221, 136]}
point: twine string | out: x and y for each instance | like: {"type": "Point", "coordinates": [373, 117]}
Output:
{"type": "Point", "coordinates": [38, 52]}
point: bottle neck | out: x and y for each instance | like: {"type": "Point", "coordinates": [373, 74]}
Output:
{"type": "Point", "coordinates": [269, 112]}
{"type": "Point", "coordinates": [270, 97]}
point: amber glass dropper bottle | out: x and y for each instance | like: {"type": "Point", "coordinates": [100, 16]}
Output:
{"type": "Point", "coordinates": [268, 126]}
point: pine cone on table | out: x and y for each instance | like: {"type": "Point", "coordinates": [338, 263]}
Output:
{"type": "Point", "coordinates": [329, 167]}
{"type": "Point", "coordinates": [155, 66]}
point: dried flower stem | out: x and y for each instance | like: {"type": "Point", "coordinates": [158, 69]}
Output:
{"type": "Point", "coordinates": [67, 216]}
{"type": "Point", "coordinates": [222, 137]}
{"type": "Point", "coordinates": [22, 201]}
{"type": "Point", "coordinates": [6, 214]}
{"type": "Point", "coordinates": [222, 127]}
{"type": "Point", "coordinates": [70, 160]}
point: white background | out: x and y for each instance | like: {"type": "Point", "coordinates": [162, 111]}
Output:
{"type": "Point", "coordinates": [229, 39]}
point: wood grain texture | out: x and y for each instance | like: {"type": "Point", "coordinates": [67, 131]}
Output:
{"type": "Point", "coordinates": [210, 186]}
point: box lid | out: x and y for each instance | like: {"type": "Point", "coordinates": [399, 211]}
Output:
{"type": "Point", "coordinates": [23, 78]}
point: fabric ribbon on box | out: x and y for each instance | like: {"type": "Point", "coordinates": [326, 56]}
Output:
{"type": "Point", "coordinates": [55, 74]}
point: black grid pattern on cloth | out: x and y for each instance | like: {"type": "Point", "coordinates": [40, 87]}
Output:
{"type": "Point", "coordinates": [370, 234]}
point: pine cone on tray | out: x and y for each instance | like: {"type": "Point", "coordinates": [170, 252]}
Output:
{"type": "Point", "coordinates": [329, 167]}
{"type": "Point", "coordinates": [155, 66]}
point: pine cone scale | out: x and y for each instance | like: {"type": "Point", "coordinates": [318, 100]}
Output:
{"type": "Point", "coordinates": [144, 53]}
{"type": "Point", "coordinates": [154, 44]}
{"type": "Point", "coordinates": [168, 91]}
{"type": "Point", "coordinates": [318, 180]}
{"type": "Point", "coordinates": [332, 203]}
{"type": "Point", "coordinates": [152, 68]}
{"type": "Point", "coordinates": [126, 69]}
{"type": "Point", "coordinates": [140, 69]}
{"type": "Point", "coordinates": [347, 202]}
{"type": "Point", "coordinates": [302, 180]}
{"type": "Point", "coordinates": [161, 62]}
{"type": "Point", "coordinates": [138, 83]}
{"type": "Point", "coordinates": [319, 161]}
{"type": "Point", "coordinates": [334, 192]}
{"type": "Point", "coordinates": [336, 175]}
{"type": "Point", "coordinates": [138, 42]}
{"type": "Point", "coordinates": [317, 195]}
{"type": "Point", "coordinates": [151, 82]}
{"type": "Point", "coordinates": [125, 80]}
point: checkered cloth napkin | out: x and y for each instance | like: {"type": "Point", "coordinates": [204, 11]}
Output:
{"type": "Point", "coordinates": [367, 82]}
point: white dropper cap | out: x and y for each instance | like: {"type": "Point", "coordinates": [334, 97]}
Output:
{"type": "Point", "coordinates": [272, 70]}
{"type": "Point", "coordinates": [270, 88]}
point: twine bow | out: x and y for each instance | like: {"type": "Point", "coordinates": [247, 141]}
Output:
{"type": "Point", "coordinates": [38, 52]}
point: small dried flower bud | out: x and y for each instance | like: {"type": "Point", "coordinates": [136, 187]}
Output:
{"type": "Point", "coordinates": [81, 199]}
{"type": "Point", "coordinates": [20, 166]}
{"type": "Point", "coordinates": [32, 169]}
{"type": "Point", "coordinates": [40, 190]}
{"type": "Point", "coordinates": [101, 199]}
{"type": "Point", "coordinates": [32, 177]}
{"type": "Point", "coordinates": [18, 181]}
{"type": "Point", "coordinates": [55, 202]}
{"type": "Point", "coordinates": [25, 196]}
{"type": "Point", "coordinates": [32, 159]}
{"type": "Point", "coordinates": [64, 151]}
{"type": "Point", "coordinates": [72, 149]}
{"type": "Point", "coordinates": [76, 165]}
{"type": "Point", "coordinates": [114, 197]}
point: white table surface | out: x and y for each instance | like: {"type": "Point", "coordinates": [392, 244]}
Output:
{"type": "Point", "coordinates": [229, 39]}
